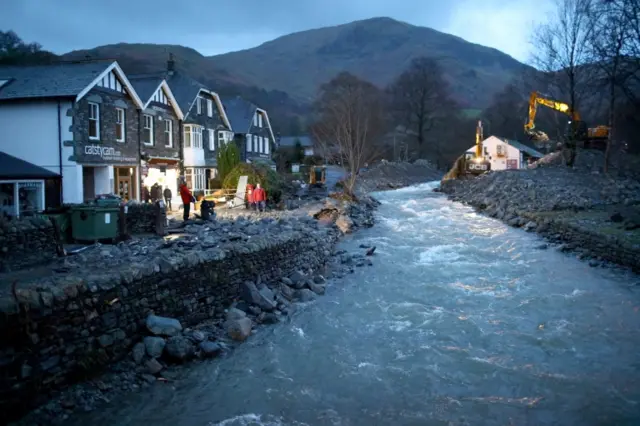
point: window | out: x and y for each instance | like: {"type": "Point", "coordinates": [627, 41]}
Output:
{"type": "Point", "coordinates": [192, 136]}
{"type": "Point", "coordinates": [196, 178]}
{"type": "Point", "coordinates": [147, 131]}
{"type": "Point", "coordinates": [261, 144]}
{"type": "Point", "coordinates": [223, 138]}
{"type": "Point", "coordinates": [259, 120]}
{"type": "Point", "coordinates": [94, 121]}
{"type": "Point", "coordinates": [248, 138]}
{"type": "Point", "coordinates": [209, 107]}
{"type": "Point", "coordinates": [199, 104]}
{"type": "Point", "coordinates": [168, 133]}
{"type": "Point", "coordinates": [119, 124]}
{"type": "Point", "coordinates": [500, 150]}
{"type": "Point", "coordinates": [212, 139]}
{"type": "Point", "coordinates": [267, 146]}
{"type": "Point", "coordinates": [255, 119]}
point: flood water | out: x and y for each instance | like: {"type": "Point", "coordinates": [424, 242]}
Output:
{"type": "Point", "coordinates": [461, 321]}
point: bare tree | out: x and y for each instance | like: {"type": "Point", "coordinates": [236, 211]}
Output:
{"type": "Point", "coordinates": [608, 43]}
{"type": "Point", "coordinates": [562, 50]}
{"type": "Point", "coordinates": [351, 122]}
{"type": "Point", "coordinates": [417, 98]}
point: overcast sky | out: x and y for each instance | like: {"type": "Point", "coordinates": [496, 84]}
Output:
{"type": "Point", "coordinates": [218, 26]}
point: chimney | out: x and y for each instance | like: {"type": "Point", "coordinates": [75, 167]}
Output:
{"type": "Point", "coordinates": [171, 64]}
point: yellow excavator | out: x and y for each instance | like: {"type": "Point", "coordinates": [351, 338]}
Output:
{"type": "Point", "coordinates": [471, 164]}
{"type": "Point", "coordinates": [594, 137]}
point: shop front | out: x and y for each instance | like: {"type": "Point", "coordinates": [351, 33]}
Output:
{"type": "Point", "coordinates": [107, 170]}
{"type": "Point", "coordinates": [165, 173]}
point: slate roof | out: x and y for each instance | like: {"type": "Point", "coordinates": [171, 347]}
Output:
{"type": "Point", "coordinates": [15, 168]}
{"type": "Point", "coordinates": [290, 141]}
{"type": "Point", "coordinates": [524, 148]}
{"type": "Point", "coordinates": [44, 81]}
{"type": "Point", "coordinates": [184, 89]}
{"type": "Point", "coordinates": [145, 85]}
{"type": "Point", "coordinates": [240, 113]}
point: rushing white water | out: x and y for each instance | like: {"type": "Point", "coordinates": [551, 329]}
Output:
{"type": "Point", "coordinates": [461, 321]}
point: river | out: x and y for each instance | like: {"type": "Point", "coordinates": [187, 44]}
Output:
{"type": "Point", "coordinates": [461, 321]}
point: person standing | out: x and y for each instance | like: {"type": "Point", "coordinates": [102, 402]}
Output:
{"type": "Point", "coordinates": [260, 198]}
{"type": "Point", "coordinates": [167, 197]}
{"type": "Point", "coordinates": [187, 199]}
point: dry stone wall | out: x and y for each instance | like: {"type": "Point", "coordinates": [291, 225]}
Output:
{"type": "Point", "coordinates": [55, 331]}
{"type": "Point", "coordinates": [26, 242]}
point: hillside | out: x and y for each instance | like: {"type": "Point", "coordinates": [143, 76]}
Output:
{"type": "Point", "coordinates": [376, 49]}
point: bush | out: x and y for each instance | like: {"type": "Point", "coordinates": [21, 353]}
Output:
{"type": "Point", "coordinates": [215, 183]}
{"type": "Point", "coordinates": [267, 178]}
{"type": "Point", "coordinates": [228, 158]}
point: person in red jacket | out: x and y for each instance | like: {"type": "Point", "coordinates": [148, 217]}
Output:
{"type": "Point", "coordinates": [249, 201]}
{"type": "Point", "coordinates": [187, 199]}
{"type": "Point", "coordinates": [260, 197]}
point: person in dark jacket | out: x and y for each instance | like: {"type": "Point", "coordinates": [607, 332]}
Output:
{"type": "Point", "coordinates": [155, 192]}
{"type": "Point", "coordinates": [146, 196]}
{"type": "Point", "coordinates": [187, 199]}
{"type": "Point", "coordinates": [167, 197]}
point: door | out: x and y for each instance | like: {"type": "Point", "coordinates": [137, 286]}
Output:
{"type": "Point", "coordinates": [124, 187]}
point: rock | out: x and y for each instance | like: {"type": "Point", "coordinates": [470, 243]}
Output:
{"type": "Point", "coordinates": [250, 294]}
{"type": "Point", "coordinates": [319, 279]}
{"type": "Point", "coordinates": [530, 226]}
{"type": "Point", "coordinates": [297, 279]}
{"type": "Point", "coordinates": [316, 288]}
{"type": "Point", "coordinates": [371, 251]}
{"type": "Point", "coordinates": [210, 349]}
{"type": "Point", "coordinates": [286, 291]}
{"type": "Point", "coordinates": [238, 329]}
{"type": "Point", "coordinates": [198, 336]}
{"type": "Point", "coordinates": [270, 318]}
{"type": "Point", "coordinates": [162, 326]}
{"type": "Point", "coordinates": [344, 224]}
{"type": "Point", "coordinates": [235, 313]}
{"type": "Point", "coordinates": [153, 366]}
{"type": "Point", "coordinates": [179, 347]}
{"type": "Point", "coordinates": [154, 346]}
{"type": "Point", "coordinates": [304, 295]}
{"type": "Point", "coordinates": [138, 352]}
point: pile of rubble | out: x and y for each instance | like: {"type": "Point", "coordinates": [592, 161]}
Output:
{"type": "Point", "coordinates": [391, 175]}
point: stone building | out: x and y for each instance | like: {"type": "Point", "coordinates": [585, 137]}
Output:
{"type": "Point", "coordinates": [160, 129]}
{"type": "Point", "coordinates": [76, 119]}
{"type": "Point", "coordinates": [252, 131]}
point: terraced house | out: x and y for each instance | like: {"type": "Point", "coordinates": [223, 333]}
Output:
{"type": "Point", "coordinates": [160, 132]}
{"type": "Point", "coordinates": [204, 128]}
{"type": "Point", "coordinates": [79, 120]}
{"type": "Point", "coordinates": [252, 131]}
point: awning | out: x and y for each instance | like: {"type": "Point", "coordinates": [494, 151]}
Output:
{"type": "Point", "coordinates": [162, 161]}
{"type": "Point", "coordinates": [14, 168]}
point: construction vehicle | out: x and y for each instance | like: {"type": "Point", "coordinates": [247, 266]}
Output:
{"type": "Point", "coordinates": [471, 163]}
{"type": "Point", "coordinates": [317, 175]}
{"type": "Point", "coordinates": [577, 130]}
{"type": "Point", "coordinates": [478, 163]}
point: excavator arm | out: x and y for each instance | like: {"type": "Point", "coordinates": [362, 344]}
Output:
{"type": "Point", "coordinates": [534, 100]}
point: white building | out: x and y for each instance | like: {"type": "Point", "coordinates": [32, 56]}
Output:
{"type": "Point", "coordinates": [506, 154]}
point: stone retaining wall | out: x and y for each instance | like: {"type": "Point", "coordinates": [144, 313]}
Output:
{"type": "Point", "coordinates": [54, 333]}
{"type": "Point", "coordinates": [141, 218]}
{"type": "Point", "coordinates": [26, 242]}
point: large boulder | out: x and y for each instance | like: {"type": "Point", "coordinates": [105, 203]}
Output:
{"type": "Point", "coordinates": [238, 329]}
{"type": "Point", "coordinates": [344, 224]}
{"type": "Point", "coordinates": [162, 326]}
{"type": "Point", "coordinates": [250, 294]}
{"type": "Point", "coordinates": [179, 347]}
{"type": "Point", "coordinates": [154, 346]}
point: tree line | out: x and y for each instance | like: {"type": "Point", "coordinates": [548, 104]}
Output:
{"type": "Point", "coordinates": [587, 54]}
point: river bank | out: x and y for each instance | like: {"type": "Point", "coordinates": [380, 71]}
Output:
{"type": "Point", "coordinates": [145, 337]}
{"type": "Point", "coordinates": [593, 215]}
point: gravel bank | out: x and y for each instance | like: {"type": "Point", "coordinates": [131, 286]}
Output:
{"type": "Point", "coordinates": [389, 175]}
{"type": "Point", "coordinates": [590, 213]}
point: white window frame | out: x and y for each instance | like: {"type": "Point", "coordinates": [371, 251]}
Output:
{"type": "Point", "coordinates": [210, 107]}
{"type": "Point", "coordinates": [187, 136]}
{"type": "Point", "coordinates": [255, 143]}
{"type": "Point", "coordinates": [94, 117]}
{"type": "Point", "coordinates": [192, 136]}
{"type": "Point", "coordinates": [249, 142]}
{"type": "Point", "coordinates": [260, 145]}
{"type": "Point", "coordinates": [199, 105]}
{"type": "Point", "coordinates": [144, 127]}
{"type": "Point", "coordinates": [196, 178]}
{"type": "Point", "coordinates": [267, 146]}
{"type": "Point", "coordinates": [212, 139]}
{"type": "Point", "coordinates": [222, 137]}
{"type": "Point", "coordinates": [255, 119]}
{"type": "Point", "coordinates": [120, 115]}
{"type": "Point", "coordinates": [259, 120]}
{"type": "Point", "coordinates": [168, 123]}
{"type": "Point", "coordinates": [197, 141]}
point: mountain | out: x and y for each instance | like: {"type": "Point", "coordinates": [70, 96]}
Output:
{"type": "Point", "coordinates": [283, 75]}
{"type": "Point", "coordinates": [376, 49]}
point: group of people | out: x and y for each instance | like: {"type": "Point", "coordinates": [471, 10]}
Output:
{"type": "Point", "coordinates": [256, 198]}
{"type": "Point", "coordinates": [156, 193]}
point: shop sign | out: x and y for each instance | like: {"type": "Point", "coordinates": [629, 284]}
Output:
{"type": "Point", "coordinates": [30, 184]}
{"type": "Point", "coordinates": [107, 153]}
